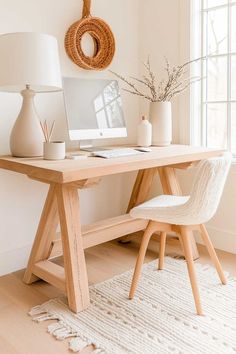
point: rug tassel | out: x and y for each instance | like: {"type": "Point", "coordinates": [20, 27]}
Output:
{"type": "Point", "coordinates": [36, 310]}
{"type": "Point", "coordinates": [38, 314]}
{"type": "Point", "coordinates": [98, 351]}
{"type": "Point", "coordinates": [60, 331]}
{"type": "Point", "coordinates": [77, 344]}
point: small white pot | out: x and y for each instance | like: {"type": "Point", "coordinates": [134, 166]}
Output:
{"type": "Point", "coordinates": [55, 150]}
{"type": "Point", "coordinates": [161, 120]}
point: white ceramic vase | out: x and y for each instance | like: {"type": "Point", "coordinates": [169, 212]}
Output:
{"type": "Point", "coordinates": [144, 136]}
{"type": "Point", "coordinates": [161, 120]}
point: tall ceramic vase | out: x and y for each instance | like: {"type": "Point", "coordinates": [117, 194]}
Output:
{"type": "Point", "coordinates": [161, 119]}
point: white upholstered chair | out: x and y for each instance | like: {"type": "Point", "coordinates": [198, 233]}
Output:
{"type": "Point", "coordinates": [183, 214]}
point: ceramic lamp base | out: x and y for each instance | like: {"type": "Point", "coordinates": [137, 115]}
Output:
{"type": "Point", "coordinates": [26, 138]}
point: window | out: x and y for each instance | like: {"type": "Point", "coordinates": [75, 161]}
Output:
{"type": "Point", "coordinates": [217, 91]}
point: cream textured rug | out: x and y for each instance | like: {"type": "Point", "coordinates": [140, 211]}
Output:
{"type": "Point", "coordinates": [161, 319]}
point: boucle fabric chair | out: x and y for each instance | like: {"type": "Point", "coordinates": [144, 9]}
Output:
{"type": "Point", "coordinates": [183, 214]}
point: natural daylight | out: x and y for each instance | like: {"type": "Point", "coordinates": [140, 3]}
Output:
{"type": "Point", "coordinates": [117, 176]}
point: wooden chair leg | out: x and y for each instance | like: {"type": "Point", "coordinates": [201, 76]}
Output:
{"type": "Point", "coordinates": [162, 250]}
{"type": "Point", "coordinates": [142, 251]}
{"type": "Point", "coordinates": [212, 253]}
{"type": "Point", "coordinates": [186, 240]}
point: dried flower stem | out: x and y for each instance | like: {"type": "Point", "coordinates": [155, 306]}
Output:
{"type": "Point", "coordinates": [130, 84]}
{"type": "Point", "coordinates": [165, 90]}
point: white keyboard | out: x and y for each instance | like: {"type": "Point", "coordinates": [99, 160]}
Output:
{"type": "Point", "coordinates": [108, 154]}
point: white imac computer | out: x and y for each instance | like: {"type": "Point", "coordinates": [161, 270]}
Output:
{"type": "Point", "coordinates": [93, 110]}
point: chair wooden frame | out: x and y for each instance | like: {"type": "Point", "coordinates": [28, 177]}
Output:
{"type": "Point", "coordinates": [185, 234]}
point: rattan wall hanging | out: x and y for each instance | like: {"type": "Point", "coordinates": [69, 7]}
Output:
{"type": "Point", "coordinates": [104, 42]}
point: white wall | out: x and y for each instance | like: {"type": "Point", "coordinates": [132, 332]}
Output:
{"type": "Point", "coordinates": [161, 38]}
{"type": "Point", "coordinates": [21, 198]}
{"type": "Point", "coordinates": [158, 28]}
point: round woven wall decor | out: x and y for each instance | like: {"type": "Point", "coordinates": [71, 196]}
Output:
{"type": "Point", "coordinates": [104, 42]}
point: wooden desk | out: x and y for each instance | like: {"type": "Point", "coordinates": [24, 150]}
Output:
{"type": "Point", "coordinates": [62, 207]}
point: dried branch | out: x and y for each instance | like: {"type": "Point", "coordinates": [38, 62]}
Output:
{"type": "Point", "coordinates": [166, 89]}
{"type": "Point", "coordinates": [130, 84]}
{"type": "Point", "coordinates": [140, 81]}
{"type": "Point", "coordinates": [137, 93]}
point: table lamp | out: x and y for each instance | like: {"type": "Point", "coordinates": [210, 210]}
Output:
{"type": "Point", "coordinates": [29, 63]}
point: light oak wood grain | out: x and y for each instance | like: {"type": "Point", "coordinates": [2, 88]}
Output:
{"type": "Point", "coordinates": [45, 234]}
{"type": "Point", "coordinates": [185, 233]}
{"type": "Point", "coordinates": [212, 253]}
{"type": "Point", "coordinates": [185, 236]}
{"type": "Point", "coordinates": [51, 273]}
{"type": "Point", "coordinates": [162, 250]}
{"type": "Point", "coordinates": [73, 252]}
{"type": "Point", "coordinates": [65, 171]}
{"type": "Point", "coordinates": [151, 228]}
{"type": "Point", "coordinates": [169, 181]}
{"type": "Point", "coordinates": [103, 231]}
{"type": "Point", "coordinates": [142, 187]}
{"type": "Point", "coordinates": [65, 177]}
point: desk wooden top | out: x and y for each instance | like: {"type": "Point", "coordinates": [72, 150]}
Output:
{"type": "Point", "coordinates": [65, 171]}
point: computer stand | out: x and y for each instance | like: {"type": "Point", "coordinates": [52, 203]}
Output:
{"type": "Point", "coordinates": [87, 145]}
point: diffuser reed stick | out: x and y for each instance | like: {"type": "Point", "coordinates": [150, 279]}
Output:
{"type": "Point", "coordinates": [47, 131]}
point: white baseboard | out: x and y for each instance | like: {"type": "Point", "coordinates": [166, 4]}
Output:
{"type": "Point", "coordinates": [13, 260]}
{"type": "Point", "coordinates": [221, 239]}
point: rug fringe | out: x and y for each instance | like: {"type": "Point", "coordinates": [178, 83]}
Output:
{"type": "Point", "coordinates": [39, 314]}
{"type": "Point", "coordinates": [63, 328]}
{"type": "Point", "coordinates": [77, 344]}
{"type": "Point", "coordinates": [62, 331]}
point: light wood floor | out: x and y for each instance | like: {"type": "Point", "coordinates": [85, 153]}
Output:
{"type": "Point", "coordinates": [20, 335]}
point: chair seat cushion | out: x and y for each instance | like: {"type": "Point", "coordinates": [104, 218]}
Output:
{"type": "Point", "coordinates": [161, 208]}
{"type": "Point", "coordinates": [204, 197]}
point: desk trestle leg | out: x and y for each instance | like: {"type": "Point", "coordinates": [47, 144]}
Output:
{"type": "Point", "coordinates": [72, 245]}
{"type": "Point", "coordinates": [62, 204]}
{"type": "Point", "coordinates": [45, 235]}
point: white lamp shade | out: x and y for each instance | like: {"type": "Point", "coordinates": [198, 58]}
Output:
{"type": "Point", "coordinates": [28, 58]}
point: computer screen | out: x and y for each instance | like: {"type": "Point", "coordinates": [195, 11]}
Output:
{"type": "Point", "coordinates": [93, 109]}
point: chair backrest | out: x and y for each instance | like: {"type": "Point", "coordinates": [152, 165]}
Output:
{"type": "Point", "coordinates": [208, 187]}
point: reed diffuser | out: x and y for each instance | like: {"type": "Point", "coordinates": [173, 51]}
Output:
{"type": "Point", "coordinates": [46, 131]}
{"type": "Point", "coordinates": [52, 150]}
